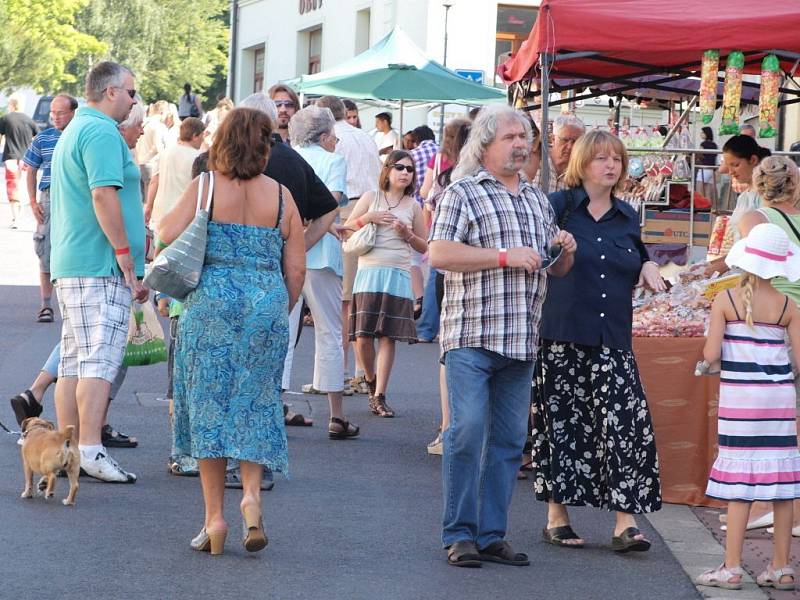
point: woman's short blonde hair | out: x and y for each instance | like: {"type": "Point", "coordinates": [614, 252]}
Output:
{"type": "Point", "coordinates": [776, 180]}
{"type": "Point", "coordinates": [588, 146]}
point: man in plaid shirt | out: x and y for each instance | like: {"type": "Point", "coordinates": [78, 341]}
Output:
{"type": "Point", "coordinates": [490, 234]}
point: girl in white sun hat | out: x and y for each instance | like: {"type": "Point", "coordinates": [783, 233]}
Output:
{"type": "Point", "coordinates": [758, 456]}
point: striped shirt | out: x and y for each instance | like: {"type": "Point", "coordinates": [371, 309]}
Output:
{"type": "Point", "coordinates": [495, 309]}
{"type": "Point", "coordinates": [40, 154]}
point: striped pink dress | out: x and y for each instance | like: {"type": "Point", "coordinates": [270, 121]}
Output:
{"type": "Point", "coordinates": [758, 456]}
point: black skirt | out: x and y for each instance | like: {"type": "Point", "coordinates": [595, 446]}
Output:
{"type": "Point", "coordinates": [593, 440]}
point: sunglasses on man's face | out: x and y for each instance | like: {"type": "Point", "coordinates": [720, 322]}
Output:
{"type": "Point", "coordinates": [131, 93]}
{"type": "Point", "coordinates": [399, 167]}
{"type": "Point", "coordinates": [552, 255]}
{"type": "Point", "coordinates": [284, 103]}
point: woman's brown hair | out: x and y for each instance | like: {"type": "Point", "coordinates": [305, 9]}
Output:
{"type": "Point", "coordinates": [450, 137]}
{"type": "Point", "coordinates": [241, 144]}
{"type": "Point", "coordinates": [391, 160]}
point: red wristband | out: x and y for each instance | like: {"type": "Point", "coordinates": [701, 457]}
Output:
{"type": "Point", "coordinates": [121, 251]}
{"type": "Point", "coordinates": [502, 258]}
{"type": "Point", "coordinates": [359, 222]}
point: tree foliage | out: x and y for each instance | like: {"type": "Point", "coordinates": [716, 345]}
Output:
{"type": "Point", "coordinates": [50, 44]}
{"type": "Point", "coordinates": [166, 44]}
{"type": "Point", "coordinates": [40, 39]}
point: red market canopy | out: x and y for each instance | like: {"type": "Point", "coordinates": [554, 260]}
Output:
{"type": "Point", "coordinates": [599, 41]}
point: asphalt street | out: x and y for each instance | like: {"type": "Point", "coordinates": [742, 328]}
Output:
{"type": "Point", "coordinates": [358, 519]}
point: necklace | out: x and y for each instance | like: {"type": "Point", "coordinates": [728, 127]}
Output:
{"type": "Point", "coordinates": [389, 206]}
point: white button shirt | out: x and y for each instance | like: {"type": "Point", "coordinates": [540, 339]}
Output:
{"type": "Point", "coordinates": [361, 155]}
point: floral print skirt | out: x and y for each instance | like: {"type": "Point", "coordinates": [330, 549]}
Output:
{"type": "Point", "coordinates": [593, 441]}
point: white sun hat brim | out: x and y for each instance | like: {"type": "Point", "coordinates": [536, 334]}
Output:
{"type": "Point", "coordinates": [763, 265]}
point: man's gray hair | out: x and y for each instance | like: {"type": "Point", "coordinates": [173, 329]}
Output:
{"type": "Point", "coordinates": [260, 101]}
{"type": "Point", "coordinates": [308, 125]}
{"type": "Point", "coordinates": [103, 76]}
{"type": "Point", "coordinates": [135, 117]}
{"type": "Point", "coordinates": [568, 121]}
{"type": "Point", "coordinates": [483, 133]}
{"type": "Point", "coordinates": [336, 106]}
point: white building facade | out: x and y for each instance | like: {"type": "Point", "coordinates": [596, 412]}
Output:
{"type": "Point", "coordinates": [275, 40]}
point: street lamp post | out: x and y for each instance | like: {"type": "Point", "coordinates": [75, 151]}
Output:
{"type": "Point", "coordinates": [447, 6]}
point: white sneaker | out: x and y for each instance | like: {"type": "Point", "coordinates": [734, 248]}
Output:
{"type": "Point", "coordinates": [105, 468]}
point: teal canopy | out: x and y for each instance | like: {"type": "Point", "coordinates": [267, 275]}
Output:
{"type": "Point", "coordinates": [395, 69]}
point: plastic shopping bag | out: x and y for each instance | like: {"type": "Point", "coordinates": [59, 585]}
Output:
{"type": "Point", "coordinates": [145, 337]}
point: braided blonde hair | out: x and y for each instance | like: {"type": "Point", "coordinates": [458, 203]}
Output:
{"type": "Point", "coordinates": [776, 180]}
{"type": "Point", "coordinates": [749, 285]}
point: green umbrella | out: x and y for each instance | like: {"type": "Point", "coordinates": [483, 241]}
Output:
{"type": "Point", "coordinates": [432, 83]}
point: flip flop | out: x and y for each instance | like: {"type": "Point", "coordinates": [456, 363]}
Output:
{"type": "Point", "coordinates": [558, 535]}
{"type": "Point", "coordinates": [627, 542]}
{"type": "Point", "coordinates": [45, 315]}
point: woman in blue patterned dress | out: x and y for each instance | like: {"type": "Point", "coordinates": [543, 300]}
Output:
{"type": "Point", "coordinates": [233, 334]}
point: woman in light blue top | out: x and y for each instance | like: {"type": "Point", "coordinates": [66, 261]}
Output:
{"type": "Point", "coordinates": [311, 132]}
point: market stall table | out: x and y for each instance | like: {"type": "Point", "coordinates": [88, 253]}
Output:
{"type": "Point", "coordinates": [684, 411]}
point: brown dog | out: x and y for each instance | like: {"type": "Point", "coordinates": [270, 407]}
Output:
{"type": "Point", "coordinates": [47, 451]}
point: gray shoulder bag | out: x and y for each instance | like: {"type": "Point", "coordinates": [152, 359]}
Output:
{"type": "Point", "coordinates": [176, 271]}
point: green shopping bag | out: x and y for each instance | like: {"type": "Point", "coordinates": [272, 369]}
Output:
{"type": "Point", "coordinates": [145, 337]}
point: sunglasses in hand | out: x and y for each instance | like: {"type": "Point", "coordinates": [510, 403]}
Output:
{"type": "Point", "coordinates": [551, 256]}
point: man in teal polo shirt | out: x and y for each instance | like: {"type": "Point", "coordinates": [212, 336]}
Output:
{"type": "Point", "coordinates": [97, 258]}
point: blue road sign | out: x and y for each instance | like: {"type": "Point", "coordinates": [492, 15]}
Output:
{"type": "Point", "coordinates": [471, 74]}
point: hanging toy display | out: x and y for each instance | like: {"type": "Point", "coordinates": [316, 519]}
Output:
{"type": "Point", "coordinates": [708, 85]}
{"type": "Point", "coordinates": [733, 94]}
{"type": "Point", "coordinates": [768, 99]}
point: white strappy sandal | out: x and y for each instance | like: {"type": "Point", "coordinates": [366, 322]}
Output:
{"type": "Point", "coordinates": [770, 578]}
{"type": "Point", "coordinates": [721, 577]}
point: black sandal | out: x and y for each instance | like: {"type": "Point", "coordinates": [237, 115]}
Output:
{"type": "Point", "coordinates": [25, 405]}
{"type": "Point", "coordinates": [627, 542]}
{"type": "Point", "coordinates": [348, 430]}
{"type": "Point", "coordinates": [112, 438]}
{"type": "Point", "coordinates": [558, 535]}
{"type": "Point", "coordinates": [464, 554]}
{"type": "Point", "coordinates": [45, 315]}
{"type": "Point", "coordinates": [296, 420]}
{"type": "Point", "coordinates": [502, 552]}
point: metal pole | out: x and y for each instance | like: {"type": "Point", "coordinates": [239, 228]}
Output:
{"type": "Point", "coordinates": [444, 63]}
{"type": "Point", "coordinates": [401, 118]}
{"type": "Point", "coordinates": [544, 166]}
{"type": "Point", "coordinates": [680, 120]}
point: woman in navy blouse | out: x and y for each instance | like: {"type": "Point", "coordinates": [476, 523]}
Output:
{"type": "Point", "coordinates": [593, 441]}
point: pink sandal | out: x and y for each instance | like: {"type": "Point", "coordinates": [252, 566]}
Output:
{"type": "Point", "coordinates": [721, 577]}
{"type": "Point", "coordinates": [772, 578]}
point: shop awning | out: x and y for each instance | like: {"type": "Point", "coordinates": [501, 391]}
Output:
{"type": "Point", "coordinates": [613, 39]}
{"type": "Point", "coordinates": [395, 69]}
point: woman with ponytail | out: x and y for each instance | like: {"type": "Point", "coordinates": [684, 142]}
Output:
{"type": "Point", "coordinates": [758, 457]}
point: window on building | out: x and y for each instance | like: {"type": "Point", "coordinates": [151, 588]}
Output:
{"type": "Point", "coordinates": [514, 24]}
{"type": "Point", "coordinates": [362, 30]}
{"type": "Point", "coordinates": [315, 51]}
{"type": "Point", "coordinates": [258, 69]}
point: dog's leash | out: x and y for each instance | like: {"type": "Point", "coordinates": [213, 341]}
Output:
{"type": "Point", "coordinates": [8, 431]}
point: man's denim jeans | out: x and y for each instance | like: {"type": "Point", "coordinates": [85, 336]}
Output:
{"type": "Point", "coordinates": [428, 322]}
{"type": "Point", "coordinates": [489, 397]}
